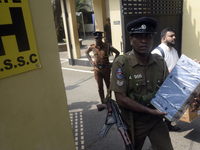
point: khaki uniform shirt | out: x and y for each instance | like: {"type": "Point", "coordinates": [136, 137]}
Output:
{"type": "Point", "coordinates": [144, 75]}
{"type": "Point", "coordinates": [101, 54]}
{"type": "Point", "coordinates": [144, 78]}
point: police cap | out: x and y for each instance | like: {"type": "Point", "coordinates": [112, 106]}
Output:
{"type": "Point", "coordinates": [142, 25]}
{"type": "Point", "coordinates": [98, 34]}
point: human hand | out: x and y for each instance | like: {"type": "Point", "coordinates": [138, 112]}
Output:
{"type": "Point", "coordinates": [93, 64]}
{"type": "Point", "coordinates": [197, 61]}
{"type": "Point", "coordinates": [170, 70]}
{"type": "Point", "coordinates": [195, 103]}
{"type": "Point", "coordinates": [159, 113]}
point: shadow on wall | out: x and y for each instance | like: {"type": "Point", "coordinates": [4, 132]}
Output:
{"type": "Point", "coordinates": [194, 35]}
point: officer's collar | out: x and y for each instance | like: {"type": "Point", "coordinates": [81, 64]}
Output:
{"type": "Point", "coordinates": [134, 60]}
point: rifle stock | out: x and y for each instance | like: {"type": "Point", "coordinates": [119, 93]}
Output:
{"type": "Point", "coordinates": [110, 121]}
{"type": "Point", "coordinates": [104, 130]}
{"type": "Point", "coordinates": [114, 117]}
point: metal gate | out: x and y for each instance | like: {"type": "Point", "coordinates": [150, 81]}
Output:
{"type": "Point", "coordinates": [168, 13]}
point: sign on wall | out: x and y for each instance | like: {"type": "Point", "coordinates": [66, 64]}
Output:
{"type": "Point", "coordinates": [18, 49]}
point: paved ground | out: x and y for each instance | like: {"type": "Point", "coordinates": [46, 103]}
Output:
{"type": "Point", "coordinates": [82, 97]}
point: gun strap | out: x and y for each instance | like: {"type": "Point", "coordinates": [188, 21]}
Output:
{"type": "Point", "coordinates": [107, 99]}
{"type": "Point", "coordinates": [129, 74]}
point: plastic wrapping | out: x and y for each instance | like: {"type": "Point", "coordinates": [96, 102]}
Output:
{"type": "Point", "coordinates": [179, 89]}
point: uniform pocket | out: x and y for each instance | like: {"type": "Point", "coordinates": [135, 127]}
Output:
{"type": "Point", "coordinates": [139, 84]}
{"type": "Point", "coordinates": [159, 81]}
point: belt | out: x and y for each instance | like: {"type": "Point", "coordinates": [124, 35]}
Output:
{"type": "Point", "coordinates": [101, 66]}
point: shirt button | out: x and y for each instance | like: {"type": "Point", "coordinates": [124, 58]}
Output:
{"type": "Point", "coordinates": [147, 81]}
{"type": "Point", "coordinates": [137, 84]}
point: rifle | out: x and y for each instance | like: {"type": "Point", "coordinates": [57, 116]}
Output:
{"type": "Point", "coordinates": [114, 117]}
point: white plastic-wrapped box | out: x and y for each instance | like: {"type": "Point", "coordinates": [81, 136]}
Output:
{"type": "Point", "coordinates": [179, 89]}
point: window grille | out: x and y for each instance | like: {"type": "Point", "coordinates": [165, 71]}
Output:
{"type": "Point", "coordinates": [142, 7]}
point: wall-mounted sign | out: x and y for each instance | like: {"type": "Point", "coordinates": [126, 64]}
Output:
{"type": "Point", "coordinates": [116, 22]}
{"type": "Point", "coordinates": [18, 49]}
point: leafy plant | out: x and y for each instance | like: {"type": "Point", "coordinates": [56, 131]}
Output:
{"type": "Point", "coordinates": [81, 6]}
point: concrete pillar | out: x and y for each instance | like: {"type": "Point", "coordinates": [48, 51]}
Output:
{"type": "Point", "coordinates": [33, 111]}
{"type": "Point", "coordinates": [191, 29]}
{"type": "Point", "coordinates": [116, 24]}
{"type": "Point", "coordinates": [73, 28]}
{"type": "Point", "coordinates": [100, 14]}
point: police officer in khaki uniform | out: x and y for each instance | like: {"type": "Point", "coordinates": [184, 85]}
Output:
{"type": "Point", "coordinates": [135, 79]}
{"type": "Point", "coordinates": [147, 74]}
{"type": "Point", "coordinates": [102, 67]}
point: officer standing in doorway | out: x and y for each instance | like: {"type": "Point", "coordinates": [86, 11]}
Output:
{"type": "Point", "coordinates": [107, 31]}
{"type": "Point", "coordinates": [102, 67]}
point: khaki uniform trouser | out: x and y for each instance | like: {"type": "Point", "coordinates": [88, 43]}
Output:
{"type": "Point", "coordinates": [157, 131]}
{"type": "Point", "coordinates": [100, 75]}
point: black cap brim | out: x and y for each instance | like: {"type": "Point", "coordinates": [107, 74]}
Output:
{"type": "Point", "coordinates": [98, 37]}
{"type": "Point", "coordinates": [142, 25]}
{"type": "Point", "coordinates": [143, 31]}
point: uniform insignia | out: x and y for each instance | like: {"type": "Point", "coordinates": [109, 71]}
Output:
{"type": "Point", "coordinates": [119, 73]}
{"type": "Point", "coordinates": [138, 76]}
{"type": "Point", "coordinates": [143, 26]}
{"type": "Point", "coordinates": [120, 83]}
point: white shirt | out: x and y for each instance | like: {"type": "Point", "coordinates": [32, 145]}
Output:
{"type": "Point", "coordinates": [171, 56]}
